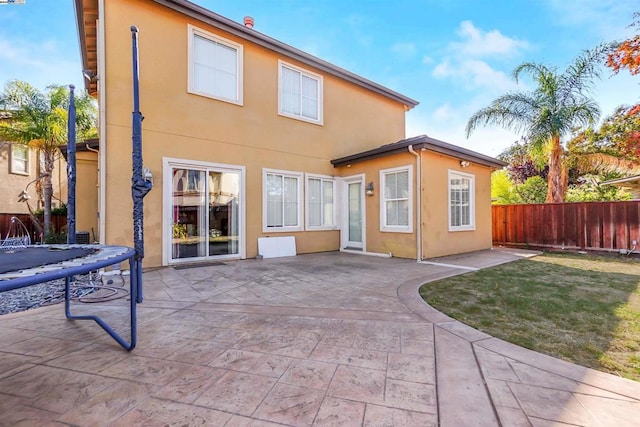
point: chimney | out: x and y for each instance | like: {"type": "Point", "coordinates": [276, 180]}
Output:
{"type": "Point", "coordinates": [248, 22]}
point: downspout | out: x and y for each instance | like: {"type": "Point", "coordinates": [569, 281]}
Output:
{"type": "Point", "coordinates": [102, 120]}
{"type": "Point", "coordinates": [419, 203]}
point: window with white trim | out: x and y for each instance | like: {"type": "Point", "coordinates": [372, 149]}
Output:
{"type": "Point", "coordinates": [299, 93]}
{"type": "Point", "coordinates": [461, 201]}
{"type": "Point", "coordinates": [215, 66]}
{"type": "Point", "coordinates": [281, 201]}
{"type": "Point", "coordinates": [396, 199]}
{"type": "Point", "coordinates": [19, 159]}
{"type": "Point", "coordinates": [320, 196]}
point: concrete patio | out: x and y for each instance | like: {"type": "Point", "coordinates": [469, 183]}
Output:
{"type": "Point", "coordinates": [325, 339]}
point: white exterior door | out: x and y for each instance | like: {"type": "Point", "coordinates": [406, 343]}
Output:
{"type": "Point", "coordinates": [353, 227]}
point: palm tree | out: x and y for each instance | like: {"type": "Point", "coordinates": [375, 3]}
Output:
{"type": "Point", "coordinates": [558, 105]}
{"type": "Point", "coordinates": [39, 120]}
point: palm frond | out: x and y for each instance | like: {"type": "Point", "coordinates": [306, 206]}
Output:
{"type": "Point", "coordinates": [512, 111]}
{"type": "Point", "coordinates": [534, 69]}
{"type": "Point", "coordinates": [580, 74]}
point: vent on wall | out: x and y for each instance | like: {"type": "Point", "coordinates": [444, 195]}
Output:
{"type": "Point", "coordinates": [82, 238]}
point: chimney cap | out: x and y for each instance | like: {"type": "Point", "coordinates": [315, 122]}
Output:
{"type": "Point", "coordinates": [248, 22]}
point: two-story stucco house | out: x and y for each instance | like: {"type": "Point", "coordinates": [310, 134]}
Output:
{"type": "Point", "coordinates": [247, 137]}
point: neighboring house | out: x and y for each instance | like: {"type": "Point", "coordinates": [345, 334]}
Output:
{"type": "Point", "coordinates": [247, 137]}
{"type": "Point", "coordinates": [631, 183]}
{"type": "Point", "coordinates": [19, 170]}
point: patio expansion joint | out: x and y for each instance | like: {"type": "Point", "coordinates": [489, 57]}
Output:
{"type": "Point", "coordinates": [556, 367]}
{"type": "Point", "coordinates": [303, 311]}
{"type": "Point", "coordinates": [486, 386]}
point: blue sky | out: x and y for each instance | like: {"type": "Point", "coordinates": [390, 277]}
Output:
{"type": "Point", "coordinates": [454, 56]}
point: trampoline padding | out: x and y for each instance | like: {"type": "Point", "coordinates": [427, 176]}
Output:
{"type": "Point", "coordinates": [34, 257]}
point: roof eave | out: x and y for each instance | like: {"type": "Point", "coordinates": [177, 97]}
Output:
{"type": "Point", "coordinates": [420, 142]}
{"type": "Point", "coordinates": [630, 180]}
{"type": "Point", "coordinates": [91, 85]}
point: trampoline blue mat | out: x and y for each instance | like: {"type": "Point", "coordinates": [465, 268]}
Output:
{"type": "Point", "coordinates": [32, 257]}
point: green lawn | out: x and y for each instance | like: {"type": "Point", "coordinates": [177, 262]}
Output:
{"type": "Point", "coordinates": [580, 308]}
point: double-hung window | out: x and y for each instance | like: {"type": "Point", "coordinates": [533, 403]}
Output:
{"type": "Point", "coordinates": [282, 195]}
{"type": "Point", "coordinates": [19, 159]}
{"type": "Point", "coordinates": [299, 93]}
{"type": "Point", "coordinates": [396, 199]}
{"type": "Point", "coordinates": [461, 201]}
{"type": "Point", "coordinates": [320, 210]}
{"type": "Point", "coordinates": [215, 66]}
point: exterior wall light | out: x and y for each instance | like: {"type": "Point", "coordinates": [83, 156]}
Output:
{"type": "Point", "coordinates": [148, 176]}
{"type": "Point", "coordinates": [464, 163]}
{"type": "Point", "coordinates": [369, 189]}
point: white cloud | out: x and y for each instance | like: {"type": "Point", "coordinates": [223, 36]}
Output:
{"type": "Point", "coordinates": [443, 69]}
{"type": "Point", "coordinates": [444, 112]}
{"type": "Point", "coordinates": [473, 74]}
{"type": "Point", "coordinates": [466, 62]}
{"type": "Point", "coordinates": [481, 44]}
{"type": "Point", "coordinates": [404, 51]}
{"type": "Point", "coordinates": [40, 64]}
{"type": "Point", "coordinates": [427, 59]}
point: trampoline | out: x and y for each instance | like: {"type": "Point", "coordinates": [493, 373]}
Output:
{"type": "Point", "coordinates": [22, 265]}
{"type": "Point", "coordinates": [38, 264]}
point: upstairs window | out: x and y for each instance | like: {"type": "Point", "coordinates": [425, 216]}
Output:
{"type": "Point", "coordinates": [19, 159]}
{"type": "Point", "coordinates": [215, 66]}
{"type": "Point", "coordinates": [320, 203]}
{"type": "Point", "coordinates": [300, 94]}
{"type": "Point", "coordinates": [396, 200]}
{"type": "Point", "coordinates": [281, 197]}
{"type": "Point", "coordinates": [461, 201]}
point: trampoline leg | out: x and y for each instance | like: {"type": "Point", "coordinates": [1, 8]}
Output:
{"type": "Point", "coordinates": [133, 289]}
{"type": "Point", "coordinates": [139, 279]}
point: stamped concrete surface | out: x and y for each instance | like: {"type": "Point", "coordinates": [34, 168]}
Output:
{"type": "Point", "coordinates": [327, 339]}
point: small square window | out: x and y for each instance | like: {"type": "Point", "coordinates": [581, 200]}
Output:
{"type": "Point", "coordinates": [215, 66]}
{"type": "Point", "coordinates": [282, 195]}
{"type": "Point", "coordinates": [19, 159]}
{"type": "Point", "coordinates": [320, 192]}
{"type": "Point", "coordinates": [461, 201]}
{"type": "Point", "coordinates": [396, 200]}
{"type": "Point", "coordinates": [299, 93]}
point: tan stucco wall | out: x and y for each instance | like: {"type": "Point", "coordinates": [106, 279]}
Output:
{"type": "Point", "coordinates": [87, 193]}
{"type": "Point", "coordinates": [186, 126]}
{"type": "Point", "coordinates": [437, 239]}
{"type": "Point", "coordinates": [402, 245]}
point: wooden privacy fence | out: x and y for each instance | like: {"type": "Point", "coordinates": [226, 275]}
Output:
{"type": "Point", "coordinates": [59, 222]}
{"type": "Point", "coordinates": [608, 226]}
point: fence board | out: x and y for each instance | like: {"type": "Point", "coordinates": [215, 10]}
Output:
{"type": "Point", "coordinates": [59, 223]}
{"type": "Point", "coordinates": [590, 225]}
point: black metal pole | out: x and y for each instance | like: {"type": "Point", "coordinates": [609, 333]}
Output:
{"type": "Point", "coordinates": [139, 185]}
{"type": "Point", "coordinates": [71, 168]}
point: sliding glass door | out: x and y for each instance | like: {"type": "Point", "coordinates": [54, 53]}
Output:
{"type": "Point", "coordinates": [205, 213]}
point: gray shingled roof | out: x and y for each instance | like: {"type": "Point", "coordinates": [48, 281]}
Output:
{"type": "Point", "coordinates": [419, 142]}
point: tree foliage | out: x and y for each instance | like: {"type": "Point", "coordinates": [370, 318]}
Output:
{"type": "Point", "coordinates": [590, 190]}
{"type": "Point", "coordinates": [626, 54]}
{"type": "Point", "coordinates": [545, 116]}
{"type": "Point", "coordinates": [618, 136]}
{"type": "Point", "coordinates": [506, 192]}
{"type": "Point", "coordinates": [39, 120]}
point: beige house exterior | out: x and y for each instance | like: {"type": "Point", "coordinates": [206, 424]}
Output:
{"type": "Point", "coordinates": [19, 171]}
{"type": "Point", "coordinates": [248, 138]}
